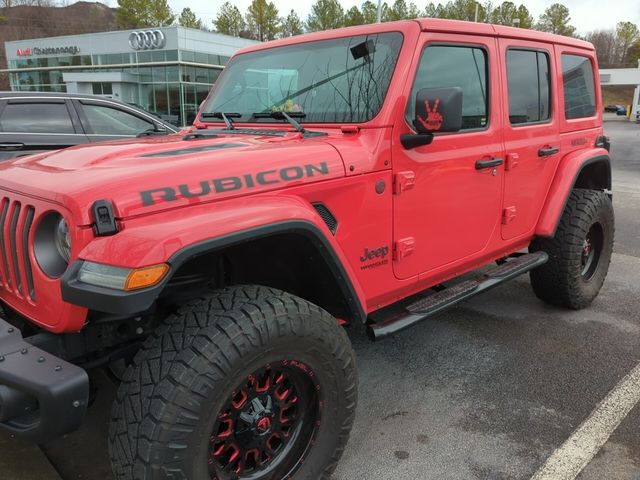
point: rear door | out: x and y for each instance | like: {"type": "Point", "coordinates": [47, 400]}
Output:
{"type": "Point", "coordinates": [109, 121]}
{"type": "Point", "coordinates": [532, 137]}
{"type": "Point", "coordinates": [31, 125]}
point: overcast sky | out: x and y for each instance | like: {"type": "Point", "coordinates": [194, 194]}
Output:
{"type": "Point", "coordinates": [586, 15]}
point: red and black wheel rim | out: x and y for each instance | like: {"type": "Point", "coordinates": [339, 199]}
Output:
{"type": "Point", "coordinates": [591, 251]}
{"type": "Point", "coordinates": [267, 425]}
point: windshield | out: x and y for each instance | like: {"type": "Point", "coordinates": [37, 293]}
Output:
{"type": "Point", "coordinates": [342, 80]}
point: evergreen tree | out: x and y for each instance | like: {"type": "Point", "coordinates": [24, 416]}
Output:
{"type": "Point", "coordinates": [555, 19]}
{"type": "Point", "coordinates": [291, 25]}
{"type": "Point", "coordinates": [325, 15]}
{"type": "Point", "coordinates": [229, 20]}
{"type": "Point", "coordinates": [401, 11]}
{"type": "Point", "coordinates": [263, 21]}
{"type": "Point", "coordinates": [353, 17]}
{"type": "Point", "coordinates": [143, 13]}
{"type": "Point", "coordinates": [188, 19]}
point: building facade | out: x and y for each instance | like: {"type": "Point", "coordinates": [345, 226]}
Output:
{"type": "Point", "coordinates": [167, 71]}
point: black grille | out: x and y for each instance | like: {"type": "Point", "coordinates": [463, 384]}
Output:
{"type": "Point", "coordinates": [327, 216]}
{"type": "Point", "coordinates": [16, 221]}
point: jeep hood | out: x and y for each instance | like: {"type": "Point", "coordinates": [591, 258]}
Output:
{"type": "Point", "coordinates": [151, 175]}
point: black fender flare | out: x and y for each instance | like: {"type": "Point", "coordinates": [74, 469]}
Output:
{"type": "Point", "coordinates": [118, 302]}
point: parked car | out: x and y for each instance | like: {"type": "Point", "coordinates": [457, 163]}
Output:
{"type": "Point", "coordinates": [356, 175]}
{"type": "Point", "coordinates": [611, 108]}
{"type": "Point", "coordinates": [32, 122]}
{"type": "Point", "coordinates": [621, 111]}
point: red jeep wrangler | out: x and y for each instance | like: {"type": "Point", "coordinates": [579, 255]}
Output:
{"type": "Point", "coordinates": [333, 178]}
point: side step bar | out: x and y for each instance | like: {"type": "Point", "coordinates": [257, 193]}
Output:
{"type": "Point", "coordinates": [427, 306]}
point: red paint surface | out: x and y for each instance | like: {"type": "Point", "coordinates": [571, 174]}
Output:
{"type": "Point", "coordinates": [451, 215]}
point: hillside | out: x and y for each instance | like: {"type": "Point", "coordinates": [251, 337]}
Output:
{"type": "Point", "coordinates": [23, 21]}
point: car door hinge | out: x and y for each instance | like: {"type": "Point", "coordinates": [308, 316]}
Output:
{"type": "Point", "coordinates": [508, 215]}
{"type": "Point", "coordinates": [403, 248]}
{"type": "Point", "coordinates": [403, 181]}
{"type": "Point", "coordinates": [513, 159]}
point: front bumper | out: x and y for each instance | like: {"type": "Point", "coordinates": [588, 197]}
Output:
{"type": "Point", "coordinates": [41, 395]}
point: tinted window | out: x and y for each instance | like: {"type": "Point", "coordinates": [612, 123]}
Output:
{"type": "Point", "coordinates": [579, 87]}
{"type": "Point", "coordinates": [464, 67]}
{"type": "Point", "coordinates": [105, 120]}
{"type": "Point", "coordinates": [529, 91]}
{"type": "Point", "coordinates": [339, 80]}
{"type": "Point", "coordinates": [102, 88]}
{"type": "Point", "coordinates": [36, 118]}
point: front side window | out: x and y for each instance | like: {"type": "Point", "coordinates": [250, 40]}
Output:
{"type": "Point", "coordinates": [579, 87]}
{"type": "Point", "coordinates": [529, 86]}
{"type": "Point", "coordinates": [105, 120]}
{"type": "Point", "coordinates": [443, 66]}
{"type": "Point", "coordinates": [331, 81]}
{"type": "Point", "coordinates": [36, 118]}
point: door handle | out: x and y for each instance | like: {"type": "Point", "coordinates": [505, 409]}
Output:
{"type": "Point", "coordinates": [489, 163]}
{"type": "Point", "coordinates": [547, 151]}
{"type": "Point", "coordinates": [11, 146]}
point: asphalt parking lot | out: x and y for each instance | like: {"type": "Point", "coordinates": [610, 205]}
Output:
{"type": "Point", "coordinates": [487, 390]}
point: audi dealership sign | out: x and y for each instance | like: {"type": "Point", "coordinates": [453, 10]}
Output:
{"type": "Point", "coordinates": [147, 40]}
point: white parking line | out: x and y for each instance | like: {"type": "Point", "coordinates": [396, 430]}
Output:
{"type": "Point", "coordinates": [574, 454]}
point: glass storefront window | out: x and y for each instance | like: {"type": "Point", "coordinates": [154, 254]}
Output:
{"type": "Point", "coordinates": [144, 57]}
{"type": "Point", "coordinates": [213, 75]}
{"type": "Point", "coordinates": [202, 75]}
{"type": "Point", "coordinates": [173, 73]}
{"type": "Point", "coordinates": [202, 58]}
{"type": "Point", "coordinates": [159, 74]}
{"type": "Point", "coordinates": [188, 56]}
{"type": "Point", "coordinates": [102, 88]}
{"type": "Point", "coordinates": [188, 73]}
{"type": "Point", "coordinates": [174, 92]}
{"type": "Point", "coordinates": [157, 56]}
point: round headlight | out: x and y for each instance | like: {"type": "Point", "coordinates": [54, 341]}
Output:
{"type": "Point", "coordinates": [63, 239]}
{"type": "Point", "coordinates": [52, 245]}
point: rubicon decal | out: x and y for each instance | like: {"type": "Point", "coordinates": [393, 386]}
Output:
{"type": "Point", "coordinates": [233, 183]}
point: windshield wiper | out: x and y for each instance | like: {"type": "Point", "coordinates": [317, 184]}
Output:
{"type": "Point", "coordinates": [279, 115]}
{"type": "Point", "coordinates": [224, 116]}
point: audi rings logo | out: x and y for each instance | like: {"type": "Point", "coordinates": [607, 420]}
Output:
{"type": "Point", "coordinates": [147, 40]}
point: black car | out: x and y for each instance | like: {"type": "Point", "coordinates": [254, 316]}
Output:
{"type": "Point", "coordinates": [32, 122]}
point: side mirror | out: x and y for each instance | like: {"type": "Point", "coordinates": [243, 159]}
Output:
{"type": "Point", "coordinates": [438, 110]}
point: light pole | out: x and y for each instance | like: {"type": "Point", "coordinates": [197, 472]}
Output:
{"type": "Point", "coordinates": [379, 16]}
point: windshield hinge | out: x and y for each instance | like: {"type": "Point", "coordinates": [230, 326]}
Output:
{"type": "Point", "coordinates": [346, 129]}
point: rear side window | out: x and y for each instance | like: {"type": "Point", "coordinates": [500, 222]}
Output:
{"type": "Point", "coordinates": [579, 87]}
{"type": "Point", "coordinates": [529, 86]}
{"type": "Point", "coordinates": [36, 118]}
{"type": "Point", "coordinates": [111, 121]}
{"type": "Point", "coordinates": [444, 66]}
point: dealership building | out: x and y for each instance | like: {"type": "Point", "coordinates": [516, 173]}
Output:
{"type": "Point", "coordinates": [167, 70]}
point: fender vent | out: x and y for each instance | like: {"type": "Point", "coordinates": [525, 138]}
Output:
{"type": "Point", "coordinates": [327, 217]}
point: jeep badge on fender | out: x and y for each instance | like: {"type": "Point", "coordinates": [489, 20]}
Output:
{"type": "Point", "coordinates": [217, 268]}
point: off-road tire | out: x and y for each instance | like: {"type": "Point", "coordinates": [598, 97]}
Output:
{"type": "Point", "coordinates": [562, 281]}
{"type": "Point", "coordinates": [170, 398]}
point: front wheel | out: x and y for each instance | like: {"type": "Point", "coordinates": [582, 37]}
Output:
{"type": "Point", "coordinates": [246, 383]}
{"type": "Point", "coordinates": [579, 252]}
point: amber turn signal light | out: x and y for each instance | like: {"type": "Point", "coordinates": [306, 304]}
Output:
{"type": "Point", "coordinates": [145, 277]}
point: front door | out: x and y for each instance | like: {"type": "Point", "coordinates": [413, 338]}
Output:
{"type": "Point", "coordinates": [448, 195]}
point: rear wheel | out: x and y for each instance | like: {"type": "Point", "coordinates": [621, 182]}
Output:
{"type": "Point", "coordinates": [579, 253]}
{"type": "Point", "coordinates": [246, 383]}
